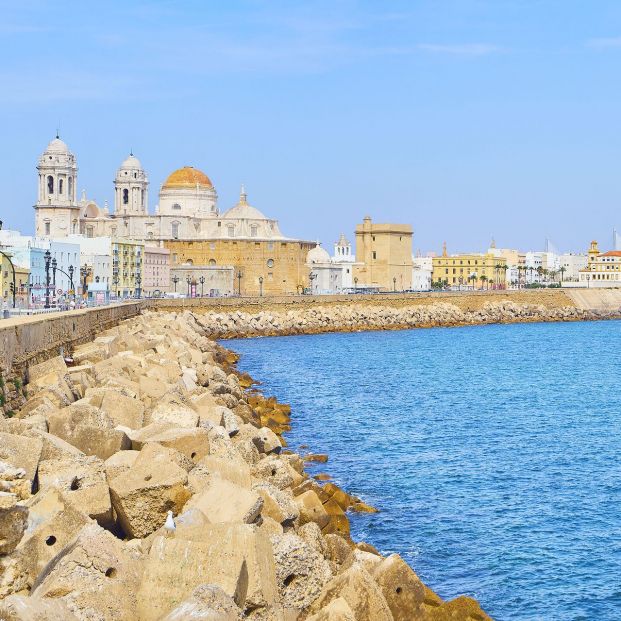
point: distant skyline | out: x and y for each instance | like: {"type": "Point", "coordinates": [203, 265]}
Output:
{"type": "Point", "coordinates": [468, 119]}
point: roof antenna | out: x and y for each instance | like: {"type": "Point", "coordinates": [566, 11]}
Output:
{"type": "Point", "coordinates": [131, 151]}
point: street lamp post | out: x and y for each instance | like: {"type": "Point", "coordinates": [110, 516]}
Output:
{"type": "Point", "coordinates": [202, 281]}
{"type": "Point", "coordinates": [71, 280]}
{"type": "Point", "coordinates": [175, 280]}
{"type": "Point", "coordinates": [588, 281]}
{"type": "Point", "coordinates": [48, 257]}
{"type": "Point", "coordinates": [261, 286]}
{"type": "Point", "coordinates": [85, 272]}
{"type": "Point", "coordinates": [239, 277]}
{"type": "Point", "coordinates": [54, 266]}
{"type": "Point", "coordinates": [188, 280]}
{"type": "Point", "coordinates": [394, 283]}
{"type": "Point", "coordinates": [356, 283]}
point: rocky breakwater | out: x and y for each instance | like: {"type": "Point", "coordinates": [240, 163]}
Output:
{"type": "Point", "coordinates": [352, 317]}
{"type": "Point", "coordinates": [144, 482]}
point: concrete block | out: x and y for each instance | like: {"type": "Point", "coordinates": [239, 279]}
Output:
{"type": "Point", "coordinates": [224, 501]}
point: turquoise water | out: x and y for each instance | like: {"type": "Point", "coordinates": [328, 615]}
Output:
{"type": "Point", "coordinates": [493, 453]}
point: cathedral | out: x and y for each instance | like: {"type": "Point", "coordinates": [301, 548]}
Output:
{"type": "Point", "coordinates": [187, 207]}
{"type": "Point", "coordinates": [186, 221]}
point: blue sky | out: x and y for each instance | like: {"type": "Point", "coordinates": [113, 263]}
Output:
{"type": "Point", "coordinates": [465, 118]}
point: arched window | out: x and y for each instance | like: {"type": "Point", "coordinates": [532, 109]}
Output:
{"type": "Point", "coordinates": [60, 186]}
{"type": "Point", "coordinates": [50, 184]}
{"type": "Point", "coordinates": [47, 227]}
{"type": "Point", "coordinates": [175, 230]}
{"type": "Point", "coordinates": [212, 261]}
{"type": "Point", "coordinates": [142, 197]}
{"type": "Point", "coordinates": [74, 226]}
{"type": "Point", "coordinates": [176, 206]}
{"type": "Point", "coordinates": [125, 197]}
{"type": "Point", "coordinates": [70, 188]}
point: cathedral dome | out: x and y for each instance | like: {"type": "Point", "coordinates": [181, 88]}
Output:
{"type": "Point", "coordinates": [187, 177]}
{"type": "Point", "coordinates": [57, 146]}
{"type": "Point", "coordinates": [317, 255]}
{"type": "Point", "coordinates": [243, 211]}
{"type": "Point", "coordinates": [131, 162]}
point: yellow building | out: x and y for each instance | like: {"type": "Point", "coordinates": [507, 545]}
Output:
{"type": "Point", "coordinates": [603, 268]}
{"type": "Point", "coordinates": [22, 277]}
{"type": "Point", "coordinates": [384, 252]}
{"type": "Point", "coordinates": [264, 261]}
{"type": "Point", "coordinates": [127, 266]}
{"type": "Point", "coordinates": [280, 265]}
{"type": "Point", "coordinates": [480, 271]}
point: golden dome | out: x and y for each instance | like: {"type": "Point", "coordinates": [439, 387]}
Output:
{"type": "Point", "coordinates": [187, 177]}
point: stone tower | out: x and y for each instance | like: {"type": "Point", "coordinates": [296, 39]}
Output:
{"type": "Point", "coordinates": [131, 189]}
{"type": "Point", "coordinates": [57, 211]}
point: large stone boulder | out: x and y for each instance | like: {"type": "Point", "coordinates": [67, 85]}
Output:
{"type": "Point", "coordinates": [301, 572]}
{"type": "Point", "coordinates": [122, 410]}
{"type": "Point", "coordinates": [361, 593]}
{"type": "Point", "coordinates": [22, 608]}
{"type": "Point", "coordinates": [89, 430]}
{"type": "Point", "coordinates": [82, 481]}
{"type": "Point", "coordinates": [143, 495]}
{"type": "Point", "coordinates": [21, 452]}
{"type": "Point", "coordinates": [13, 520]}
{"type": "Point", "coordinates": [52, 523]}
{"type": "Point", "coordinates": [96, 575]}
{"type": "Point", "coordinates": [235, 557]}
{"type": "Point", "coordinates": [207, 603]}
{"type": "Point", "coordinates": [311, 509]}
{"type": "Point", "coordinates": [224, 501]}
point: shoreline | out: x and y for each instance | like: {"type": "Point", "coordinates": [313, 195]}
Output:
{"type": "Point", "coordinates": [325, 319]}
{"type": "Point", "coordinates": [152, 418]}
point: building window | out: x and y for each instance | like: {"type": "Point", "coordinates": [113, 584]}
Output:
{"type": "Point", "coordinates": [175, 230]}
{"type": "Point", "coordinates": [60, 186]}
{"type": "Point", "coordinates": [231, 230]}
{"type": "Point", "coordinates": [70, 187]}
{"type": "Point", "coordinates": [212, 261]}
{"type": "Point", "coordinates": [125, 197]}
{"type": "Point", "coordinates": [270, 263]}
{"type": "Point", "coordinates": [253, 230]}
{"type": "Point", "coordinates": [47, 228]}
{"type": "Point", "coordinates": [50, 184]}
{"type": "Point", "coordinates": [177, 207]}
{"type": "Point", "coordinates": [89, 231]}
{"type": "Point", "coordinates": [374, 254]}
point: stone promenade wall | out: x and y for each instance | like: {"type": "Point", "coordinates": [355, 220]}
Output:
{"type": "Point", "coordinates": [28, 340]}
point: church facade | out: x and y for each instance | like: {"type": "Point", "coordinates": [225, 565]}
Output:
{"type": "Point", "coordinates": [186, 220]}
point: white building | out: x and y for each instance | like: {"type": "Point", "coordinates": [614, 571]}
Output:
{"type": "Point", "coordinates": [570, 264]}
{"type": "Point", "coordinates": [422, 271]}
{"type": "Point", "coordinates": [326, 276]}
{"type": "Point", "coordinates": [187, 206]}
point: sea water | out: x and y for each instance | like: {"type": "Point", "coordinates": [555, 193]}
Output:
{"type": "Point", "coordinates": [492, 452]}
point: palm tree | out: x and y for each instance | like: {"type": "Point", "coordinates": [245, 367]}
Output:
{"type": "Point", "coordinates": [562, 271]}
{"type": "Point", "coordinates": [519, 271]}
{"type": "Point", "coordinates": [483, 279]}
{"type": "Point", "coordinates": [539, 271]}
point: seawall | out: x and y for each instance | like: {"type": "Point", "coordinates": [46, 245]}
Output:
{"type": "Point", "coordinates": [28, 340]}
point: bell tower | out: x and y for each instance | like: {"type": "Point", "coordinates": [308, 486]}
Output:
{"type": "Point", "coordinates": [131, 188]}
{"type": "Point", "coordinates": [57, 213]}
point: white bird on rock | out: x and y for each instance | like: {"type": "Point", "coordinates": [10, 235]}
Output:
{"type": "Point", "coordinates": [169, 525]}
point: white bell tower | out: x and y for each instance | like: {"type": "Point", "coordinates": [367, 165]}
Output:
{"type": "Point", "coordinates": [57, 211]}
{"type": "Point", "coordinates": [131, 189]}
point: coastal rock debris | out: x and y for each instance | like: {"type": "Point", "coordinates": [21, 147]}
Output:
{"type": "Point", "coordinates": [148, 481]}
